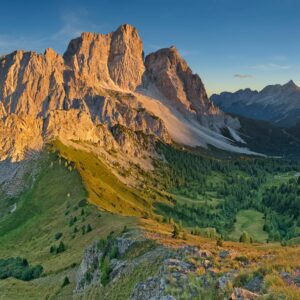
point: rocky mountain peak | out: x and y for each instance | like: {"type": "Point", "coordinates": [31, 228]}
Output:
{"type": "Point", "coordinates": [48, 96]}
{"type": "Point", "coordinates": [112, 60]}
{"type": "Point", "coordinates": [176, 81]}
{"type": "Point", "coordinates": [50, 53]}
{"type": "Point", "coordinates": [291, 84]}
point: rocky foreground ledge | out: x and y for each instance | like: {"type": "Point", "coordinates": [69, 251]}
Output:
{"type": "Point", "coordinates": [184, 273]}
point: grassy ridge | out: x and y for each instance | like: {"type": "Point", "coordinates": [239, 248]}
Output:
{"type": "Point", "coordinates": [104, 189]}
{"type": "Point", "coordinates": [44, 210]}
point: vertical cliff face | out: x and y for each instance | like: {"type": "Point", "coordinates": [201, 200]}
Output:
{"type": "Point", "coordinates": [126, 62]}
{"type": "Point", "coordinates": [31, 83]}
{"type": "Point", "coordinates": [114, 60]}
{"type": "Point", "coordinates": [176, 81]}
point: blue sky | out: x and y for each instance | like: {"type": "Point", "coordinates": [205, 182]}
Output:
{"type": "Point", "coordinates": [231, 44]}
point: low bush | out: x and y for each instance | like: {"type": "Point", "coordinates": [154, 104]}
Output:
{"type": "Point", "coordinates": [19, 268]}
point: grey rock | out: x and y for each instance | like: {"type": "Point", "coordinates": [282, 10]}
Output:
{"type": "Point", "coordinates": [255, 285]}
{"type": "Point", "coordinates": [224, 254]}
{"type": "Point", "coordinates": [88, 271]}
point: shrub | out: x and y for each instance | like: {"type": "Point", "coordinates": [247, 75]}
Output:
{"type": "Point", "coordinates": [219, 242]}
{"type": "Point", "coordinates": [82, 203]}
{"type": "Point", "coordinates": [113, 251]}
{"type": "Point", "coordinates": [245, 238]}
{"type": "Point", "coordinates": [88, 277]}
{"type": "Point", "coordinates": [19, 269]}
{"type": "Point", "coordinates": [66, 281]}
{"type": "Point", "coordinates": [242, 279]}
{"type": "Point", "coordinates": [175, 232]}
{"type": "Point", "coordinates": [58, 235]}
{"type": "Point", "coordinates": [53, 249]}
{"type": "Point", "coordinates": [72, 221]}
{"type": "Point", "coordinates": [61, 247]}
{"type": "Point", "coordinates": [242, 259]}
{"type": "Point", "coordinates": [89, 228]}
{"type": "Point", "coordinates": [124, 229]}
{"type": "Point", "coordinates": [105, 270]}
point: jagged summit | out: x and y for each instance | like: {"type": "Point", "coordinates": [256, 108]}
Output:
{"type": "Point", "coordinates": [113, 60]}
{"type": "Point", "coordinates": [279, 104]}
{"type": "Point", "coordinates": [97, 82]}
{"type": "Point", "coordinates": [291, 84]}
{"type": "Point", "coordinates": [174, 78]}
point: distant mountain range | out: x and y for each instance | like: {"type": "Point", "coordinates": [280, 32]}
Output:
{"type": "Point", "coordinates": [278, 104]}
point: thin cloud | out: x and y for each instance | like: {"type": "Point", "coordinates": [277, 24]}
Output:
{"type": "Point", "coordinates": [242, 76]}
{"type": "Point", "coordinates": [280, 58]}
{"type": "Point", "coordinates": [271, 67]}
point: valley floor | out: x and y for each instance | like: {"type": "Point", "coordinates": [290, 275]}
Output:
{"type": "Point", "coordinates": [53, 224]}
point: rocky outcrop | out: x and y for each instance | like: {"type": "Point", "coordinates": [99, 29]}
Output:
{"type": "Point", "coordinates": [88, 271]}
{"type": "Point", "coordinates": [19, 135]}
{"type": "Point", "coordinates": [31, 83]}
{"type": "Point", "coordinates": [171, 273]}
{"type": "Point", "coordinates": [106, 260]}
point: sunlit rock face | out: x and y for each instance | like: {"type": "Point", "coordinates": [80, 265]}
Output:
{"type": "Point", "coordinates": [183, 89]}
{"type": "Point", "coordinates": [31, 83]}
{"type": "Point", "coordinates": [92, 88]}
{"type": "Point", "coordinates": [173, 77]}
{"type": "Point", "coordinates": [113, 60]}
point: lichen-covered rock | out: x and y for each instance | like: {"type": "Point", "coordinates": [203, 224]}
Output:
{"type": "Point", "coordinates": [174, 270]}
{"type": "Point", "coordinates": [124, 242]}
{"type": "Point", "coordinates": [153, 288]}
{"type": "Point", "coordinates": [255, 285]}
{"type": "Point", "coordinates": [89, 271]}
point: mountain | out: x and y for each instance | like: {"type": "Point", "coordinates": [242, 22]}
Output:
{"type": "Point", "coordinates": [279, 104]}
{"type": "Point", "coordinates": [114, 182]}
{"type": "Point", "coordinates": [103, 81]}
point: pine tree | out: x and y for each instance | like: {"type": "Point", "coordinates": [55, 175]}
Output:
{"type": "Point", "coordinates": [53, 249]}
{"type": "Point", "coordinates": [61, 247]}
{"type": "Point", "coordinates": [66, 281]}
{"type": "Point", "coordinates": [244, 238]}
{"type": "Point", "coordinates": [89, 228]}
{"type": "Point", "coordinates": [175, 232]}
